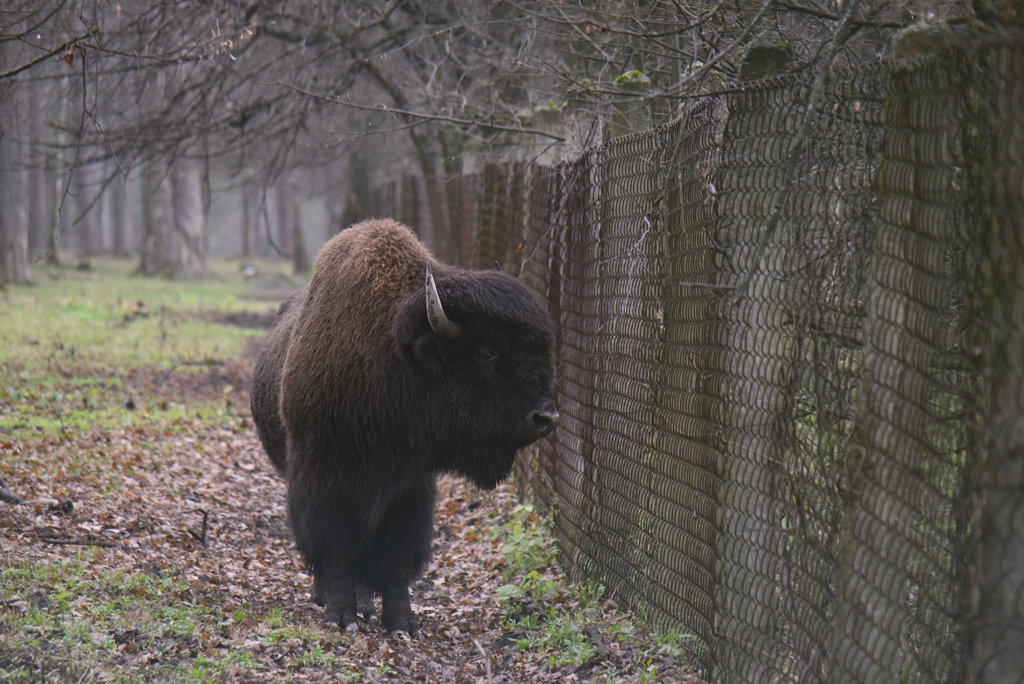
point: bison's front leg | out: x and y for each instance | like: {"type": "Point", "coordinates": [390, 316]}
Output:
{"type": "Point", "coordinates": [364, 598]}
{"type": "Point", "coordinates": [399, 550]}
{"type": "Point", "coordinates": [396, 613]}
{"type": "Point", "coordinates": [339, 595]}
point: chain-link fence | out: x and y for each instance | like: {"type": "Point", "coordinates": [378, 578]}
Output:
{"type": "Point", "coordinates": [790, 334]}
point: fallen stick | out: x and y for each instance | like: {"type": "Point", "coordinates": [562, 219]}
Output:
{"type": "Point", "coordinates": [487, 659]}
{"type": "Point", "coordinates": [78, 542]}
{"type": "Point", "coordinates": [201, 535]}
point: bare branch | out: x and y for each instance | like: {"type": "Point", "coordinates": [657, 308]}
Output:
{"type": "Point", "coordinates": [424, 116]}
{"type": "Point", "coordinates": [59, 50]}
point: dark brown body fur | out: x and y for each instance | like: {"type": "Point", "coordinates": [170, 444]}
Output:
{"type": "Point", "coordinates": [359, 404]}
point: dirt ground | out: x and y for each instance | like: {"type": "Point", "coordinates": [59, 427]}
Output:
{"type": "Point", "coordinates": [201, 503]}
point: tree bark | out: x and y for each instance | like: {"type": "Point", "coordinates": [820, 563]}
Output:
{"type": "Point", "coordinates": [174, 222]}
{"type": "Point", "coordinates": [997, 568]}
{"type": "Point", "coordinates": [300, 260]}
{"type": "Point", "coordinates": [188, 220]}
{"type": "Point", "coordinates": [120, 218]}
{"type": "Point", "coordinates": [153, 257]}
{"type": "Point", "coordinates": [88, 212]}
{"type": "Point", "coordinates": [248, 219]}
{"type": "Point", "coordinates": [39, 197]}
{"type": "Point", "coordinates": [14, 200]}
{"type": "Point", "coordinates": [282, 220]}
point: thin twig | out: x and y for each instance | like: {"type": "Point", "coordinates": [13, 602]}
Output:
{"type": "Point", "coordinates": [201, 535]}
{"type": "Point", "coordinates": [710, 63]}
{"type": "Point", "coordinates": [7, 495]}
{"type": "Point", "coordinates": [60, 49]}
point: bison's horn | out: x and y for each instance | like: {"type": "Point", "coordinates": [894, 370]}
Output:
{"type": "Point", "coordinates": [443, 327]}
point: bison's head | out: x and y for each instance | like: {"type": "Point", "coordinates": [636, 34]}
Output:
{"type": "Point", "coordinates": [480, 349]}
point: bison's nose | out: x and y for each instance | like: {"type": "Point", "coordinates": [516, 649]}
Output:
{"type": "Point", "coordinates": [544, 420]}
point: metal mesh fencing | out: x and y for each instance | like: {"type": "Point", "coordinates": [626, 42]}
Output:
{"type": "Point", "coordinates": [994, 485]}
{"type": "Point", "coordinates": [790, 339]}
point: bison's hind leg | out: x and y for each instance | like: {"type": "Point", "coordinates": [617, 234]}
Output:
{"type": "Point", "coordinates": [364, 598]}
{"type": "Point", "coordinates": [318, 597]}
{"type": "Point", "coordinates": [396, 612]}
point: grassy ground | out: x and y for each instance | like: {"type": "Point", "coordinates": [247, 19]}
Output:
{"type": "Point", "coordinates": [150, 540]}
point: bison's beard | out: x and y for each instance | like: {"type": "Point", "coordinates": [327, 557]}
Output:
{"type": "Point", "coordinates": [487, 468]}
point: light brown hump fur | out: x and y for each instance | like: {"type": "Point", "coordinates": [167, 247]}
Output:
{"type": "Point", "coordinates": [360, 278]}
{"type": "Point", "coordinates": [381, 255]}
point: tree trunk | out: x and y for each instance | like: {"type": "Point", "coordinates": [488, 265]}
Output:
{"type": "Point", "coordinates": [37, 177]}
{"type": "Point", "coordinates": [14, 200]}
{"type": "Point", "coordinates": [254, 242]}
{"type": "Point", "coordinates": [88, 212]}
{"type": "Point", "coordinates": [188, 220]}
{"type": "Point", "coordinates": [300, 261]}
{"type": "Point", "coordinates": [248, 217]}
{"type": "Point", "coordinates": [120, 218]}
{"type": "Point", "coordinates": [282, 220]}
{"type": "Point", "coordinates": [55, 186]}
{"type": "Point", "coordinates": [174, 222]}
{"type": "Point", "coordinates": [56, 177]}
{"type": "Point", "coordinates": [154, 255]}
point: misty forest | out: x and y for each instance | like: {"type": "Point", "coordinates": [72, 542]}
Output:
{"type": "Point", "coordinates": [173, 132]}
{"type": "Point", "coordinates": [685, 184]}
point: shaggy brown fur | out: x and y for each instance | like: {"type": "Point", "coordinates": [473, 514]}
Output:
{"type": "Point", "coordinates": [359, 403]}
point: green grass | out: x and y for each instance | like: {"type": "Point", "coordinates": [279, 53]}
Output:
{"type": "Point", "coordinates": [55, 614]}
{"type": "Point", "coordinates": [528, 545]}
{"type": "Point", "coordinates": [29, 411]}
{"type": "Point", "coordinates": [72, 347]}
{"type": "Point", "coordinates": [101, 373]}
{"type": "Point", "coordinates": [108, 317]}
{"type": "Point", "coordinates": [566, 624]}
{"type": "Point", "coordinates": [81, 616]}
{"type": "Point", "coordinates": [94, 389]}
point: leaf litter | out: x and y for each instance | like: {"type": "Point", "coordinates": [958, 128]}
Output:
{"type": "Point", "coordinates": [190, 504]}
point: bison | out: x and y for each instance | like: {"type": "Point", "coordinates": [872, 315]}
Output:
{"type": "Point", "coordinates": [387, 368]}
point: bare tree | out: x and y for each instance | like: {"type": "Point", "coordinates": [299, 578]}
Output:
{"type": "Point", "coordinates": [14, 204]}
{"type": "Point", "coordinates": [15, 127]}
{"type": "Point", "coordinates": [260, 89]}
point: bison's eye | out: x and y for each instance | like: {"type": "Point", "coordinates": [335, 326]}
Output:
{"type": "Point", "coordinates": [486, 357]}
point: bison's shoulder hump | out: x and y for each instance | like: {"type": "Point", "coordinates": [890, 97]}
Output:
{"type": "Point", "coordinates": [380, 257]}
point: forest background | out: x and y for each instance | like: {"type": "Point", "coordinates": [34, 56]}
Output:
{"type": "Point", "coordinates": [173, 131]}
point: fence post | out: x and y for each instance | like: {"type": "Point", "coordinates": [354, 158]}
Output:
{"type": "Point", "coordinates": [758, 367]}
{"type": "Point", "coordinates": [895, 549]}
{"type": "Point", "coordinates": [996, 650]}
{"type": "Point", "coordinates": [535, 148]}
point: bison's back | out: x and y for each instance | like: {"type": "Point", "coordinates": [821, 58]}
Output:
{"type": "Point", "coordinates": [341, 343]}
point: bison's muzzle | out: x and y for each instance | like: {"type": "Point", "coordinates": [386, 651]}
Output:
{"type": "Point", "coordinates": [543, 421]}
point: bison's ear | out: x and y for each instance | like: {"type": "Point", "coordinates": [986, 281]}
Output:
{"type": "Point", "coordinates": [426, 353]}
{"type": "Point", "coordinates": [414, 340]}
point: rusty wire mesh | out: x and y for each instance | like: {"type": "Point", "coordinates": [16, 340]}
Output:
{"type": "Point", "coordinates": [791, 368]}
